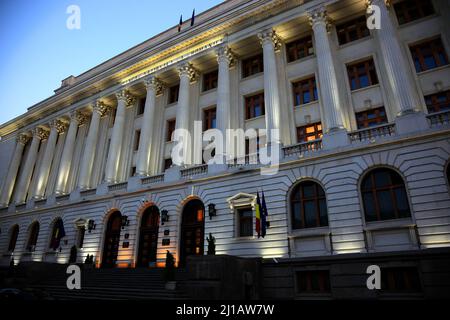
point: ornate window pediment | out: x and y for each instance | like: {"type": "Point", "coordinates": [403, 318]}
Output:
{"type": "Point", "coordinates": [241, 199]}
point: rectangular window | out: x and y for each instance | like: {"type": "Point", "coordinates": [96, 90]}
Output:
{"type": "Point", "coordinates": [167, 163]}
{"type": "Point", "coordinates": [173, 93]}
{"type": "Point", "coordinates": [313, 282]}
{"type": "Point", "coordinates": [210, 80]}
{"type": "Point", "coordinates": [141, 106]}
{"type": "Point", "coordinates": [245, 222]}
{"type": "Point", "coordinates": [299, 49]}
{"type": "Point", "coordinates": [170, 129]}
{"type": "Point", "coordinates": [370, 118]}
{"type": "Point", "coordinates": [254, 106]}
{"type": "Point", "coordinates": [438, 101]}
{"type": "Point", "coordinates": [309, 132]}
{"type": "Point", "coordinates": [362, 74]}
{"type": "Point", "coordinates": [305, 91]}
{"type": "Point", "coordinates": [410, 10]}
{"type": "Point", "coordinates": [429, 55]}
{"type": "Point", "coordinates": [80, 237]}
{"type": "Point", "coordinates": [209, 119]}
{"type": "Point", "coordinates": [352, 30]}
{"type": "Point", "coordinates": [137, 139]}
{"type": "Point", "coordinates": [252, 65]}
{"type": "Point", "coordinates": [400, 280]}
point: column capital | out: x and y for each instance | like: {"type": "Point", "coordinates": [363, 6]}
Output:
{"type": "Point", "coordinates": [58, 125]}
{"type": "Point", "coordinates": [23, 138]}
{"type": "Point", "coordinates": [224, 54]}
{"type": "Point", "coordinates": [155, 84]}
{"type": "Point", "coordinates": [101, 108]}
{"type": "Point", "coordinates": [78, 116]}
{"type": "Point", "coordinates": [40, 133]}
{"type": "Point", "coordinates": [387, 3]}
{"type": "Point", "coordinates": [187, 70]}
{"type": "Point", "coordinates": [124, 95]}
{"type": "Point", "coordinates": [270, 36]}
{"type": "Point", "coordinates": [319, 15]}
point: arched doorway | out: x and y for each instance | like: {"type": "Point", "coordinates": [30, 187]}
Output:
{"type": "Point", "coordinates": [192, 230]}
{"type": "Point", "coordinates": [112, 240]}
{"type": "Point", "coordinates": [148, 237]}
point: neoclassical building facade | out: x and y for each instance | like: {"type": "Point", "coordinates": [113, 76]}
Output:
{"type": "Point", "coordinates": [363, 116]}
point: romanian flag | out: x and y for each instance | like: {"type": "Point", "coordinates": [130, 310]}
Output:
{"type": "Point", "coordinates": [264, 215]}
{"type": "Point", "coordinates": [258, 215]}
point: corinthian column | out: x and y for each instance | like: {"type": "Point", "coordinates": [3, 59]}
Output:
{"type": "Point", "coordinates": [10, 180]}
{"type": "Point", "coordinates": [154, 87]}
{"type": "Point", "coordinates": [25, 178]}
{"type": "Point", "coordinates": [271, 43]}
{"type": "Point", "coordinates": [76, 118]}
{"type": "Point", "coordinates": [225, 59]}
{"type": "Point", "coordinates": [56, 127]}
{"type": "Point", "coordinates": [87, 161]}
{"type": "Point", "coordinates": [124, 99]}
{"type": "Point", "coordinates": [327, 74]}
{"type": "Point", "coordinates": [187, 75]}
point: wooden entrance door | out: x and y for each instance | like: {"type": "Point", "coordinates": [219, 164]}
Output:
{"type": "Point", "coordinates": [192, 230]}
{"type": "Point", "coordinates": [148, 237]}
{"type": "Point", "coordinates": [112, 240]}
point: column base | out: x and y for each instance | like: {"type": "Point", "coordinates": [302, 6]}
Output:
{"type": "Point", "coordinates": [411, 122]}
{"type": "Point", "coordinates": [335, 138]}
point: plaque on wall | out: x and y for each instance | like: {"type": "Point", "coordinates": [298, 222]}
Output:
{"type": "Point", "coordinates": [125, 245]}
{"type": "Point", "coordinates": [165, 242]}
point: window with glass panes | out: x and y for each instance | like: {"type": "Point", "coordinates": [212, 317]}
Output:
{"type": "Point", "coordinates": [170, 129]}
{"type": "Point", "coordinates": [299, 49]}
{"type": "Point", "coordinates": [309, 132]}
{"type": "Point", "coordinates": [141, 106]}
{"type": "Point", "coordinates": [209, 116]}
{"type": "Point", "coordinates": [429, 55]}
{"type": "Point", "coordinates": [173, 93]}
{"type": "Point", "coordinates": [245, 216]}
{"type": "Point", "coordinates": [352, 30]}
{"type": "Point", "coordinates": [410, 10]}
{"type": "Point", "coordinates": [362, 74]}
{"type": "Point", "coordinates": [210, 80]}
{"type": "Point", "coordinates": [370, 118]}
{"type": "Point", "coordinates": [308, 206]}
{"type": "Point", "coordinates": [313, 282]}
{"type": "Point", "coordinates": [437, 102]}
{"type": "Point", "coordinates": [252, 65]}
{"type": "Point", "coordinates": [305, 91]}
{"type": "Point", "coordinates": [254, 106]}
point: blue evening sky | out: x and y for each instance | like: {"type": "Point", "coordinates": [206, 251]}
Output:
{"type": "Point", "coordinates": [37, 51]}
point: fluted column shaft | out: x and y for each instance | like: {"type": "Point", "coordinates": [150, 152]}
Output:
{"type": "Point", "coordinates": [398, 72]}
{"type": "Point", "coordinates": [87, 161]}
{"type": "Point", "coordinates": [115, 147]}
{"type": "Point", "coordinates": [25, 178]}
{"type": "Point", "coordinates": [56, 127]}
{"type": "Point", "coordinates": [154, 87]}
{"type": "Point", "coordinates": [13, 169]}
{"type": "Point", "coordinates": [270, 43]}
{"type": "Point", "coordinates": [329, 91]}
{"type": "Point", "coordinates": [76, 119]}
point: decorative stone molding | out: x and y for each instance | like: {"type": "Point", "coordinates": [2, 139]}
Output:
{"type": "Point", "coordinates": [319, 15]}
{"type": "Point", "coordinates": [59, 125]}
{"type": "Point", "coordinates": [154, 83]}
{"type": "Point", "coordinates": [224, 54]}
{"type": "Point", "coordinates": [23, 138]}
{"type": "Point", "coordinates": [101, 108]}
{"type": "Point", "coordinates": [79, 117]}
{"type": "Point", "coordinates": [270, 36]}
{"type": "Point", "coordinates": [187, 70]}
{"type": "Point", "coordinates": [41, 133]}
{"type": "Point", "coordinates": [125, 96]}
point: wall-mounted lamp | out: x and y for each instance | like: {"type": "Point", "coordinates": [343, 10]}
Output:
{"type": "Point", "coordinates": [91, 225]}
{"type": "Point", "coordinates": [125, 221]}
{"type": "Point", "coordinates": [212, 210]}
{"type": "Point", "coordinates": [164, 216]}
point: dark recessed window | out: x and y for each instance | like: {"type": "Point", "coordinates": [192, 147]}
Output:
{"type": "Point", "coordinates": [13, 238]}
{"type": "Point", "coordinates": [210, 80]}
{"type": "Point", "coordinates": [141, 106]}
{"type": "Point", "coordinates": [429, 55]}
{"type": "Point", "coordinates": [209, 116]}
{"type": "Point", "coordinates": [305, 91]}
{"type": "Point", "coordinates": [448, 174]}
{"type": "Point", "coordinates": [362, 74]}
{"type": "Point", "coordinates": [370, 118]}
{"type": "Point", "coordinates": [299, 49]}
{"type": "Point", "coordinates": [173, 93]}
{"type": "Point", "coordinates": [384, 195]}
{"type": "Point", "coordinates": [170, 129]}
{"type": "Point", "coordinates": [313, 282]}
{"type": "Point", "coordinates": [308, 206]}
{"type": "Point", "coordinates": [438, 101]}
{"type": "Point", "coordinates": [56, 234]}
{"type": "Point", "coordinates": [410, 10]}
{"type": "Point", "coordinates": [252, 65]}
{"type": "Point", "coordinates": [137, 139]}
{"type": "Point", "coordinates": [133, 171]}
{"type": "Point", "coordinates": [352, 30]}
{"type": "Point", "coordinates": [80, 237]}
{"type": "Point", "coordinates": [167, 163]}
{"type": "Point", "coordinates": [245, 222]}
{"type": "Point", "coordinates": [254, 106]}
{"type": "Point", "coordinates": [309, 132]}
{"type": "Point", "coordinates": [33, 237]}
{"type": "Point", "coordinates": [400, 280]}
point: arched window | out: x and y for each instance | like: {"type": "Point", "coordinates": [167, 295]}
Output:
{"type": "Point", "coordinates": [58, 232]}
{"type": "Point", "coordinates": [308, 206]}
{"type": "Point", "coordinates": [384, 195]}
{"type": "Point", "coordinates": [13, 238]}
{"type": "Point", "coordinates": [33, 236]}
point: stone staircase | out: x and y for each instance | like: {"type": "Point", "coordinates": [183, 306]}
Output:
{"type": "Point", "coordinates": [115, 284]}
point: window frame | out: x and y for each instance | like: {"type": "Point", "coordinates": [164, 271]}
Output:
{"type": "Point", "coordinates": [170, 128]}
{"type": "Point", "coordinates": [297, 90]}
{"type": "Point", "coordinates": [33, 237]}
{"type": "Point", "coordinates": [379, 118]}
{"type": "Point", "coordinates": [358, 23]}
{"type": "Point", "coordinates": [173, 95]}
{"type": "Point", "coordinates": [370, 72]}
{"type": "Point", "coordinates": [13, 236]}
{"type": "Point", "coordinates": [249, 63]}
{"type": "Point", "coordinates": [298, 45]}
{"type": "Point", "coordinates": [415, 50]}
{"type": "Point", "coordinates": [318, 133]}
{"type": "Point", "coordinates": [437, 105]}
{"type": "Point", "coordinates": [239, 223]}
{"type": "Point", "coordinates": [210, 80]}
{"type": "Point", "coordinates": [250, 105]}
{"type": "Point", "coordinates": [141, 106]}
{"type": "Point", "coordinates": [209, 114]}
{"type": "Point", "coordinates": [406, 5]}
